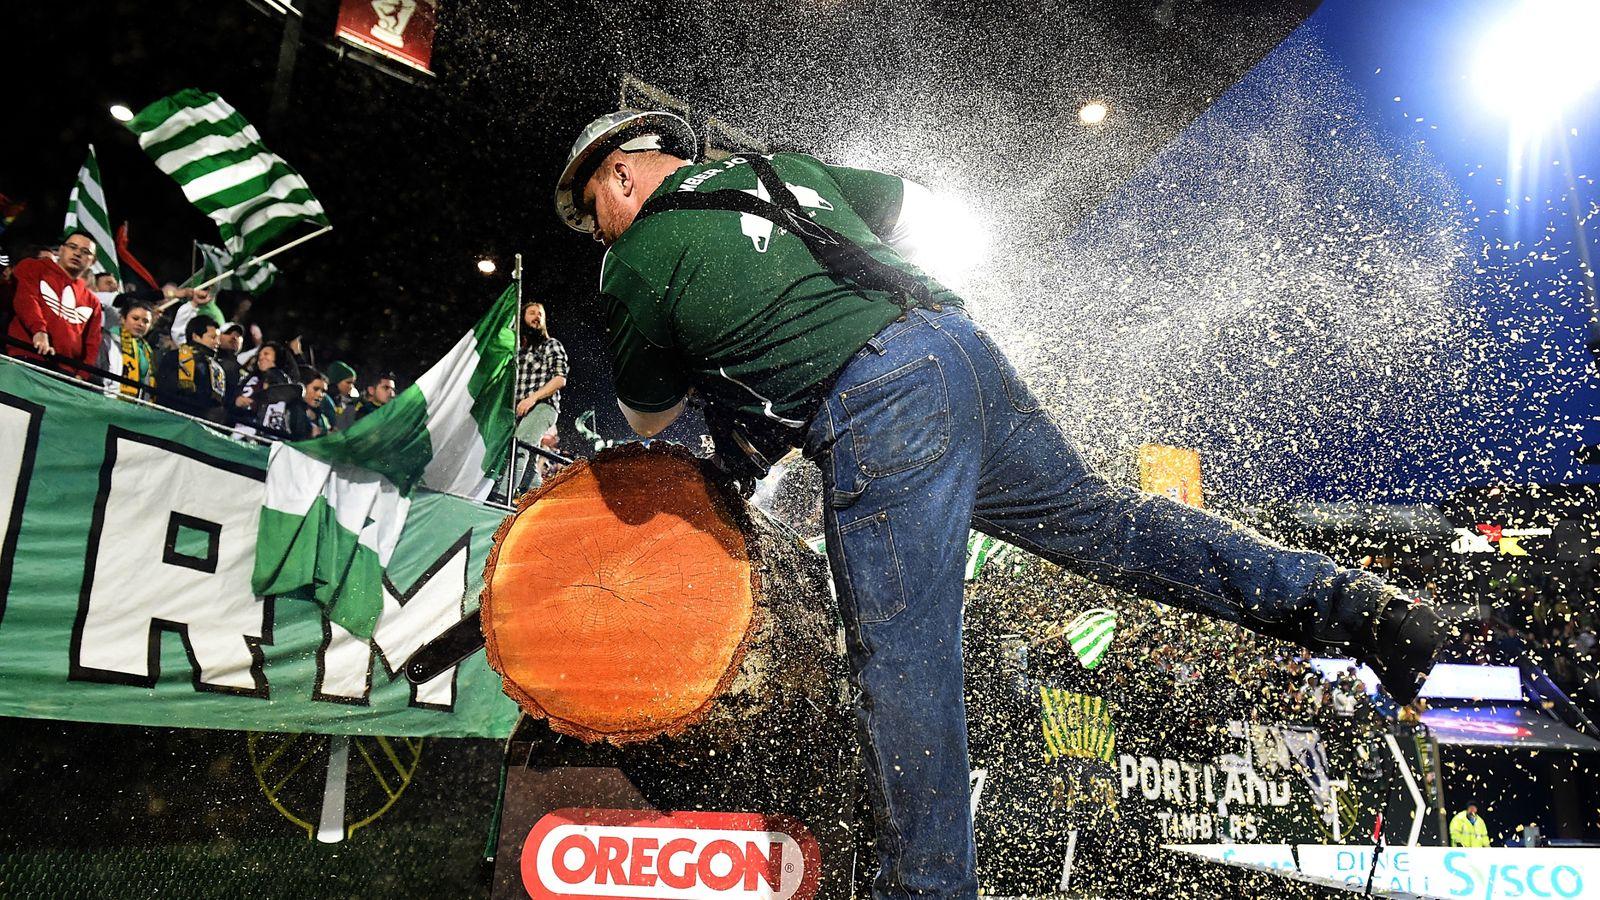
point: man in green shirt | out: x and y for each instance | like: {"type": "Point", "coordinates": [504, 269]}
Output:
{"type": "Point", "coordinates": [771, 288]}
{"type": "Point", "coordinates": [769, 355]}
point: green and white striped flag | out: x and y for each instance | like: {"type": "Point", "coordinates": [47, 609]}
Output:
{"type": "Point", "coordinates": [251, 276]}
{"type": "Point", "coordinates": [86, 210]}
{"type": "Point", "coordinates": [226, 172]}
{"type": "Point", "coordinates": [336, 505]}
{"type": "Point", "coordinates": [982, 550]}
{"type": "Point", "coordinates": [1090, 635]}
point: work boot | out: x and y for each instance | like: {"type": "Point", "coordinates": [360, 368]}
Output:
{"type": "Point", "coordinates": [1401, 643]}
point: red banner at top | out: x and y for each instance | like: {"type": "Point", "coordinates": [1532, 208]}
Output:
{"type": "Point", "coordinates": [399, 29]}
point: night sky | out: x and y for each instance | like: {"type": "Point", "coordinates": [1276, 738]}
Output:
{"type": "Point", "coordinates": [421, 179]}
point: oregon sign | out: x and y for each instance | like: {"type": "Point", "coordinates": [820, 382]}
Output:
{"type": "Point", "coordinates": [604, 853]}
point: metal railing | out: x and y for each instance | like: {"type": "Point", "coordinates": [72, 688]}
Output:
{"type": "Point", "coordinates": [251, 434]}
{"type": "Point", "coordinates": [257, 434]}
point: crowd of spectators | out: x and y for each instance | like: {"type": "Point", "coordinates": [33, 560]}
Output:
{"type": "Point", "coordinates": [174, 347]}
{"type": "Point", "coordinates": [1575, 644]}
{"type": "Point", "coordinates": [1221, 671]}
{"type": "Point", "coordinates": [1550, 625]}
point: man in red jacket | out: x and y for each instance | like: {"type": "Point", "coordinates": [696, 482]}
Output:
{"type": "Point", "coordinates": [55, 312]}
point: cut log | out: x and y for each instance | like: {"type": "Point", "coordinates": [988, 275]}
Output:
{"type": "Point", "coordinates": [632, 598]}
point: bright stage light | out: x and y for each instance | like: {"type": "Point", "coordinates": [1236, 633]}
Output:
{"type": "Point", "coordinates": [1093, 113]}
{"type": "Point", "coordinates": [486, 266]}
{"type": "Point", "coordinates": [1539, 59]}
{"type": "Point", "coordinates": [121, 113]}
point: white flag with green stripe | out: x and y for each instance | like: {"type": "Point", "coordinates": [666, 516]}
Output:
{"type": "Point", "coordinates": [225, 170]}
{"type": "Point", "coordinates": [336, 505]}
{"type": "Point", "coordinates": [86, 211]}
{"type": "Point", "coordinates": [1090, 635]}
{"type": "Point", "coordinates": [248, 275]}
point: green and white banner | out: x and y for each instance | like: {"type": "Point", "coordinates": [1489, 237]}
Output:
{"type": "Point", "coordinates": [126, 555]}
{"type": "Point", "coordinates": [336, 505]}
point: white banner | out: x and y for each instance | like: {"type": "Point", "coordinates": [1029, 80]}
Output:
{"type": "Point", "coordinates": [1481, 873]}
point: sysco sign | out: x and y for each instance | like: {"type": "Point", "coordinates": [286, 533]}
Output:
{"type": "Point", "coordinates": [604, 853]}
{"type": "Point", "coordinates": [1514, 877]}
{"type": "Point", "coordinates": [1479, 873]}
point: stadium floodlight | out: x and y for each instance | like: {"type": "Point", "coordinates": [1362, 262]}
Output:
{"type": "Point", "coordinates": [1093, 113]}
{"type": "Point", "coordinates": [1539, 59]}
{"type": "Point", "coordinates": [121, 112]}
{"type": "Point", "coordinates": [486, 266]}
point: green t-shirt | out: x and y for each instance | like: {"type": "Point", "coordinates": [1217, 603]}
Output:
{"type": "Point", "coordinates": [731, 305]}
{"type": "Point", "coordinates": [211, 311]}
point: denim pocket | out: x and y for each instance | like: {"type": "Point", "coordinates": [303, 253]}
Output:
{"type": "Point", "coordinates": [899, 420]}
{"type": "Point", "coordinates": [1022, 399]}
{"type": "Point", "coordinates": [843, 482]}
{"type": "Point", "coordinates": [872, 569]}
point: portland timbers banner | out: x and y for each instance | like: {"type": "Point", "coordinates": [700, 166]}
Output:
{"type": "Point", "coordinates": [129, 537]}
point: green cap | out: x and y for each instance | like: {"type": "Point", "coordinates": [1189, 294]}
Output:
{"type": "Point", "coordinates": [339, 371]}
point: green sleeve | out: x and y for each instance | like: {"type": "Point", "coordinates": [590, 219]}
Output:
{"type": "Point", "coordinates": [875, 196]}
{"type": "Point", "coordinates": [647, 373]}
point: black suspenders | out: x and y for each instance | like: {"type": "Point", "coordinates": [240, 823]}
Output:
{"type": "Point", "coordinates": [833, 251]}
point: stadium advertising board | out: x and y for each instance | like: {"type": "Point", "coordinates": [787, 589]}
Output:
{"type": "Point", "coordinates": [1263, 783]}
{"type": "Point", "coordinates": [1480, 873]}
{"type": "Point", "coordinates": [599, 853]}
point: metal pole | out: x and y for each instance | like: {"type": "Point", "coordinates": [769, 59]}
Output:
{"type": "Point", "coordinates": [288, 49]}
{"type": "Point", "coordinates": [330, 828]}
{"type": "Point", "coordinates": [516, 366]}
{"type": "Point", "coordinates": [1377, 849]}
{"type": "Point", "coordinates": [259, 259]}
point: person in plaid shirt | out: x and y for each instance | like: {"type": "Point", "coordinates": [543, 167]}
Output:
{"type": "Point", "coordinates": [541, 374]}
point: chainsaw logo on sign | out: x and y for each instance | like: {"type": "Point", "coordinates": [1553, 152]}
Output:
{"type": "Point", "coordinates": [604, 853]}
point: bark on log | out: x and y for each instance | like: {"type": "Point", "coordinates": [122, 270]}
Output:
{"type": "Point", "coordinates": [632, 598]}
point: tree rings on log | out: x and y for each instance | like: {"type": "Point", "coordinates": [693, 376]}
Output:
{"type": "Point", "coordinates": [622, 599]}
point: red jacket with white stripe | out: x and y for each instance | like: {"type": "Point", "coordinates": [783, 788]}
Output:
{"type": "Point", "coordinates": [51, 301]}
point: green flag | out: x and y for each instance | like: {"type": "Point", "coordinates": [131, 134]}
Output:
{"type": "Point", "coordinates": [982, 550]}
{"type": "Point", "coordinates": [225, 170]}
{"type": "Point", "coordinates": [248, 275]}
{"type": "Point", "coordinates": [336, 505]}
{"type": "Point", "coordinates": [86, 211]}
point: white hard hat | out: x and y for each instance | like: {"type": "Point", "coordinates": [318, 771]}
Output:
{"type": "Point", "coordinates": [629, 130]}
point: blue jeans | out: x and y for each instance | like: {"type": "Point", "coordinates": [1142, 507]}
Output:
{"type": "Point", "coordinates": [927, 433]}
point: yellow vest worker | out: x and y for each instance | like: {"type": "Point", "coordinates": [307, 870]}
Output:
{"type": "Point", "coordinates": [1468, 829]}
